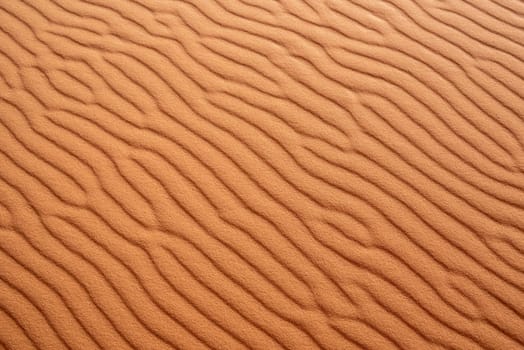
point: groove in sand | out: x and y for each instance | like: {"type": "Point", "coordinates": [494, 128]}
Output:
{"type": "Point", "coordinates": [247, 174]}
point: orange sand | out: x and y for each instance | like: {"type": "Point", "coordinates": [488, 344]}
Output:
{"type": "Point", "coordinates": [261, 174]}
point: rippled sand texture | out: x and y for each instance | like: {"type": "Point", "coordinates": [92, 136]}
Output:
{"type": "Point", "coordinates": [261, 174]}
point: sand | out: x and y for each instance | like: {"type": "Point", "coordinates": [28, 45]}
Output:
{"type": "Point", "coordinates": [261, 174]}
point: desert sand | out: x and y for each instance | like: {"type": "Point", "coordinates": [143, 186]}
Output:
{"type": "Point", "coordinates": [261, 174]}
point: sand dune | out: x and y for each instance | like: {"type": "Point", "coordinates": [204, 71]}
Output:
{"type": "Point", "coordinates": [261, 174]}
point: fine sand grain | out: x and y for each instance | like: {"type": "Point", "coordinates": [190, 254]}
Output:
{"type": "Point", "coordinates": [261, 174]}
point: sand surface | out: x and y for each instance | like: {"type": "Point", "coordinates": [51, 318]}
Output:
{"type": "Point", "coordinates": [261, 174]}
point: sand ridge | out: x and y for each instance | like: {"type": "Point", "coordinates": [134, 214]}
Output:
{"type": "Point", "coordinates": [261, 174]}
